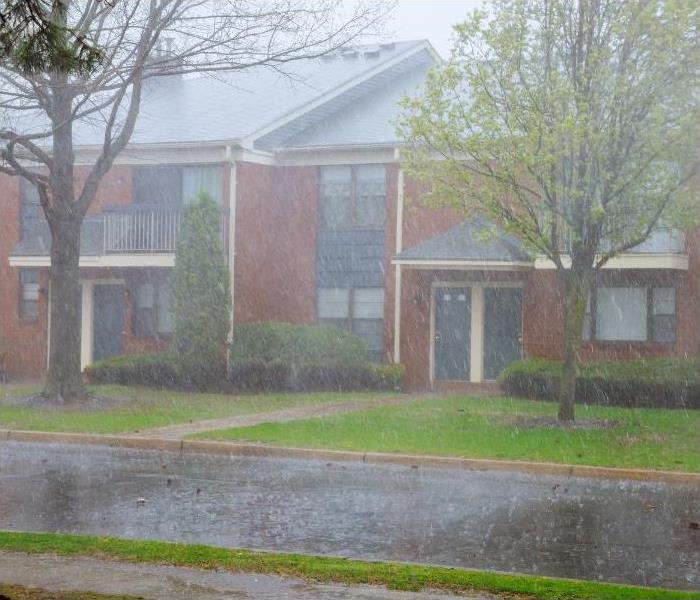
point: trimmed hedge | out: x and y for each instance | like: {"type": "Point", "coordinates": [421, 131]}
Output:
{"type": "Point", "coordinates": [296, 344]}
{"type": "Point", "coordinates": [152, 370]}
{"type": "Point", "coordinates": [653, 382]}
{"type": "Point", "coordinates": [265, 357]}
{"type": "Point", "coordinates": [282, 376]}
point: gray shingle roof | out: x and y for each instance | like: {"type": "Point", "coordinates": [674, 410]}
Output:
{"type": "Point", "coordinates": [241, 104]}
{"type": "Point", "coordinates": [474, 240]}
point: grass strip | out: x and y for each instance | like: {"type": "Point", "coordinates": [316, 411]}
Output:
{"type": "Point", "coordinates": [18, 592]}
{"type": "Point", "coordinates": [397, 576]}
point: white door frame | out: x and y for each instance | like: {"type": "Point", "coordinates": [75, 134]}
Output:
{"type": "Point", "coordinates": [87, 317]}
{"type": "Point", "coordinates": [477, 324]}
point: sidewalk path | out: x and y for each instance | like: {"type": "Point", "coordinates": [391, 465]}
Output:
{"type": "Point", "coordinates": [182, 430]}
{"type": "Point", "coordinates": [158, 582]}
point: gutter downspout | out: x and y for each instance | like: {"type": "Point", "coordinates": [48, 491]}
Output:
{"type": "Point", "coordinates": [232, 229]}
{"type": "Point", "coordinates": [397, 278]}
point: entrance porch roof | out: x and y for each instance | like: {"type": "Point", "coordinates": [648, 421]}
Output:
{"type": "Point", "coordinates": [473, 244]}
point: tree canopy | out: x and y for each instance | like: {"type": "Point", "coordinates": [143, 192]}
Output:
{"type": "Point", "coordinates": [572, 124]}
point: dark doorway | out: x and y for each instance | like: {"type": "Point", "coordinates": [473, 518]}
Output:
{"type": "Point", "coordinates": [108, 313]}
{"type": "Point", "coordinates": [452, 333]}
{"type": "Point", "coordinates": [502, 329]}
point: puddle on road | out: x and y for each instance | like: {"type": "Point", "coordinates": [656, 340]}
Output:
{"type": "Point", "coordinates": [592, 529]}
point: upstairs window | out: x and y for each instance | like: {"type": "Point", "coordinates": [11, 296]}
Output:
{"type": "Point", "coordinates": [28, 294]}
{"type": "Point", "coordinates": [173, 185]}
{"type": "Point", "coordinates": [352, 197]}
{"type": "Point", "coordinates": [152, 315]}
{"type": "Point", "coordinates": [631, 314]}
{"type": "Point", "coordinates": [31, 212]}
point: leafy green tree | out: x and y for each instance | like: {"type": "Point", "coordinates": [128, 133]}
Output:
{"type": "Point", "coordinates": [201, 294]}
{"type": "Point", "coordinates": [573, 124]}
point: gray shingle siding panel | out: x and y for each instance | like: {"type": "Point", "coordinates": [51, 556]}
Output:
{"type": "Point", "coordinates": [350, 258]}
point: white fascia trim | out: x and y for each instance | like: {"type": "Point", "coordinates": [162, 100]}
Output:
{"type": "Point", "coordinates": [337, 155]}
{"type": "Point", "coordinates": [109, 260]}
{"type": "Point", "coordinates": [342, 88]}
{"type": "Point", "coordinates": [677, 262]}
{"type": "Point", "coordinates": [476, 265]}
{"type": "Point", "coordinates": [160, 153]}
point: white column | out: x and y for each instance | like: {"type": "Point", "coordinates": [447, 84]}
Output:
{"type": "Point", "coordinates": [476, 367]}
{"type": "Point", "coordinates": [397, 315]}
{"type": "Point", "coordinates": [87, 325]}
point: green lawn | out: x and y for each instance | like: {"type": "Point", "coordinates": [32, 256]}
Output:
{"type": "Point", "coordinates": [17, 592]}
{"type": "Point", "coordinates": [489, 428]}
{"type": "Point", "coordinates": [397, 576]}
{"type": "Point", "coordinates": [146, 408]}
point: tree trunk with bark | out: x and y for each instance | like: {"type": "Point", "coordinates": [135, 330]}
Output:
{"type": "Point", "coordinates": [64, 380]}
{"type": "Point", "coordinates": [577, 285]}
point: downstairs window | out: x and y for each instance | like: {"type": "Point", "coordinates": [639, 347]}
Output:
{"type": "Point", "coordinates": [631, 314]}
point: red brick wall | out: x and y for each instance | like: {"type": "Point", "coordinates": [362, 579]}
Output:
{"type": "Point", "coordinates": [25, 340]}
{"type": "Point", "coordinates": [543, 315]}
{"type": "Point", "coordinates": [275, 244]}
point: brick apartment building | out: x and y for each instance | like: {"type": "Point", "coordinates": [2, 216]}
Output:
{"type": "Point", "coordinates": [321, 226]}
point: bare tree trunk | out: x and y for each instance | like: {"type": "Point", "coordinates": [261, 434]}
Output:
{"type": "Point", "coordinates": [64, 381]}
{"type": "Point", "coordinates": [577, 286]}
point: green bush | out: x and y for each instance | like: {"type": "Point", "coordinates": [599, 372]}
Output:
{"type": "Point", "coordinates": [289, 357]}
{"type": "Point", "coordinates": [152, 370]}
{"type": "Point", "coordinates": [201, 295]}
{"type": "Point", "coordinates": [296, 344]}
{"type": "Point", "coordinates": [651, 382]}
{"type": "Point", "coordinates": [282, 376]}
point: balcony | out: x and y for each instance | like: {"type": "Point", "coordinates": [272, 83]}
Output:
{"type": "Point", "coordinates": [140, 229]}
{"type": "Point", "coordinates": [663, 249]}
{"type": "Point", "coordinates": [133, 235]}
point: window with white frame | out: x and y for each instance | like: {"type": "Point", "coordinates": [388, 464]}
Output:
{"type": "Point", "coordinates": [631, 314]}
{"type": "Point", "coordinates": [175, 185]}
{"type": "Point", "coordinates": [352, 197]}
{"type": "Point", "coordinates": [359, 310]}
{"type": "Point", "coordinates": [29, 294]}
{"type": "Point", "coordinates": [152, 314]}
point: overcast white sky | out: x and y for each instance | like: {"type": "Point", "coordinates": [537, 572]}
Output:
{"type": "Point", "coordinates": [429, 19]}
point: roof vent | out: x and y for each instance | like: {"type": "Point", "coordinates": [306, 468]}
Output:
{"type": "Point", "coordinates": [348, 52]}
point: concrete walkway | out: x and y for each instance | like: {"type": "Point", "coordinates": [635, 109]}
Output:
{"type": "Point", "coordinates": [158, 582]}
{"type": "Point", "coordinates": [310, 411]}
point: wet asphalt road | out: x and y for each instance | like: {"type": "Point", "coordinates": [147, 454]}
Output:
{"type": "Point", "coordinates": [620, 531]}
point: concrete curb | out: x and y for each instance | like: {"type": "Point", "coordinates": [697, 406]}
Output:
{"type": "Point", "coordinates": [410, 460]}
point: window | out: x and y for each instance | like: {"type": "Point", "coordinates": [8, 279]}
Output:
{"type": "Point", "coordinates": [171, 185]}
{"type": "Point", "coordinates": [359, 310]}
{"type": "Point", "coordinates": [663, 314]}
{"type": "Point", "coordinates": [634, 314]}
{"type": "Point", "coordinates": [31, 212]}
{"type": "Point", "coordinates": [29, 294]}
{"type": "Point", "coordinates": [621, 314]}
{"type": "Point", "coordinates": [209, 179]}
{"type": "Point", "coordinates": [352, 197]}
{"type": "Point", "coordinates": [152, 314]}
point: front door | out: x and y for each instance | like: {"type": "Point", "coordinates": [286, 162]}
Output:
{"type": "Point", "coordinates": [502, 329]}
{"type": "Point", "coordinates": [108, 301]}
{"type": "Point", "coordinates": [452, 333]}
